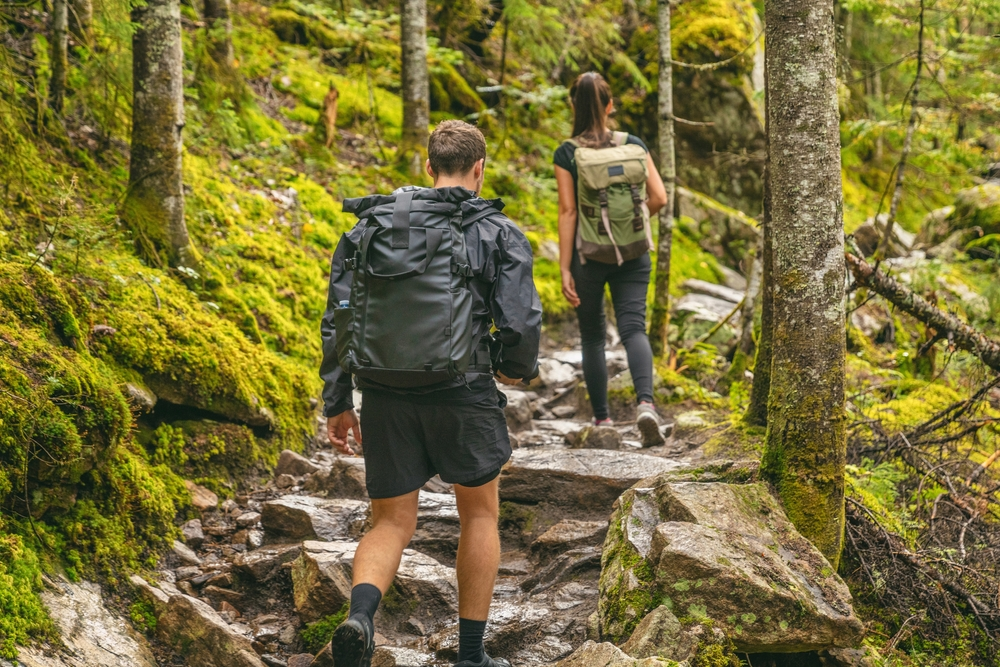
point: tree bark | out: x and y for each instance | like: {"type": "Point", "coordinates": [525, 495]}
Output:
{"type": "Point", "coordinates": [945, 325]}
{"type": "Point", "coordinates": [660, 319]}
{"type": "Point", "coordinates": [756, 414]}
{"type": "Point", "coordinates": [416, 84]}
{"type": "Point", "coordinates": [81, 20]}
{"type": "Point", "coordinates": [806, 446]}
{"type": "Point", "coordinates": [219, 29]}
{"type": "Point", "coordinates": [154, 206]}
{"type": "Point", "coordinates": [60, 55]}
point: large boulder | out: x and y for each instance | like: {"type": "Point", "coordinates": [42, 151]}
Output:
{"type": "Point", "coordinates": [305, 517]}
{"type": "Point", "coordinates": [975, 207]}
{"type": "Point", "coordinates": [321, 579]}
{"type": "Point", "coordinates": [725, 232]}
{"type": "Point", "coordinates": [581, 478]}
{"type": "Point", "coordinates": [723, 553]}
{"type": "Point", "coordinates": [92, 635]}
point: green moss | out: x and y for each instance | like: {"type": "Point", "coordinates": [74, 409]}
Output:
{"type": "Point", "coordinates": [516, 517]}
{"type": "Point", "coordinates": [22, 615]}
{"type": "Point", "coordinates": [143, 616]}
{"type": "Point", "coordinates": [317, 635]}
{"type": "Point", "coordinates": [713, 30]}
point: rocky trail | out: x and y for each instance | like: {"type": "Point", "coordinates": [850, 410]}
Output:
{"type": "Point", "coordinates": [253, 572]}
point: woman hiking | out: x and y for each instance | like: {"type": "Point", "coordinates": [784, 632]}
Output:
{"type": "Point", "coordinates": [608, 188]}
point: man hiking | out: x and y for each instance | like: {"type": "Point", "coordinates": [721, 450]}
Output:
{"type": "Point", "coordinates": [415, 290]}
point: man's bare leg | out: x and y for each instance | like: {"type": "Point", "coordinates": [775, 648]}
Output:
{"type": "Point", "coordinates": [478, 560]}
{"type": "Point", "coordinates": [375, 563]}
{"type": "Point", "coordinates": [380, 550]}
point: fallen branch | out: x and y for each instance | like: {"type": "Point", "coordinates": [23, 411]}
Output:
{"type": "Point", "coordinates": [964, 336]}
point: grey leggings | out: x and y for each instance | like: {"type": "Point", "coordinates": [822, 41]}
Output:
{"type": "Point", "coordinates": [629, 284]}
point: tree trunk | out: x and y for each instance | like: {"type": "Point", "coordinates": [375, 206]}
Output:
{"type": "Point", "coordinates": [81, 20]}
{"type": "Point", "coordinates": [60, 55]}
{"type": "Point", "coordinates": [219, 28]}
{"type": "Point", "coordinates": [416, 85]}
{"type": "Point", "coordinates": [660, 320]}
{"type": "Point", "coordinates": [756, 414]}
{"type": "Point", "coordinates": [154, 206]}
{"type": "Point", "coordinates": [806, 447]}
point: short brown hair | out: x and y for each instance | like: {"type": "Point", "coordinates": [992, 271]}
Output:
{"type": "Point", "coordinates": [455, 147]}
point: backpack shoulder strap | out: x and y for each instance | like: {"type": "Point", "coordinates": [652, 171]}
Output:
{"type": "Point", "coordinates": [619, 139]}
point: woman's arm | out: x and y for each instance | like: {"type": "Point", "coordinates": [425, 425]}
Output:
{"type": "Point", "coordinates": [567, 232]}
{"type": "Point", "coordinates": [656, 194]}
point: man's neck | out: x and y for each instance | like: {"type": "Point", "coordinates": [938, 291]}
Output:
{"type": "Point", "coordinates": [452, 182]}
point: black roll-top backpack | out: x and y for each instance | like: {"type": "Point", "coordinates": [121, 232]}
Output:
{"type": "Point", "coordinates": [409, 321]}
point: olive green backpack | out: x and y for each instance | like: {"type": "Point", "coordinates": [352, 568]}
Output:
{"type": "Point", "coordinates": [612, 217]}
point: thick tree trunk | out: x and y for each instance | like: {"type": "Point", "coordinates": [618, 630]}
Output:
{"type": "Point", "coordinates": [60, 55]}
{"type": "Point", "coordinates": [154, 206]}
{"type": "Point", "coordinates": [219, 28]}
{"type": "Point", "coordinates": [416, 85]}
{"type": "Point", "coordinates": [660, 320]}
{"type": "Point", "coordinates": [806, 447]}
{"type": "Point", "coordinates": [81, 20]}
{"type": "Point", "coordinates": [756, 414]}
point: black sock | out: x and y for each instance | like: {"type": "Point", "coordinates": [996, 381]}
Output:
{"type": "Point", "coordinates": [364, 601]}
{"type": "Point", "coordinates": [470, 640]}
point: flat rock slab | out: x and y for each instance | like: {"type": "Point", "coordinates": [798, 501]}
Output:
{"type": "Point", "coordinates": [566, 535]}
{"type": "Point", "coordinates": [196, 631]}
{"type": "Point", "coordinates": [724, 553]}
{"type": "Point", "coordinates": [92, 635]}
{"type": "Point", "coordinates": [321, 581]}
{"type": "Point", "coordinates": [305, 517]}
{"type": "Point", "coordinates": [583, 478]}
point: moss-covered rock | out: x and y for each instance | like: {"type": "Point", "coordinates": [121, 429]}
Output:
{"type": "Point", "coordinates": [975, 207]}
{"type": "Point", "coordinates": [724, 554]}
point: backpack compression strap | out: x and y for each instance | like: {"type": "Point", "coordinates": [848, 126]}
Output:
{"type": "Point", "coordinates": [602, 194]}
{"type": "Point", "coordinates": [401, 220]}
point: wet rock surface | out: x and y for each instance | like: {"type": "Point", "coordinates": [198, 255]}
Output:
{"type": "Point", "coordinates": [93, 636]}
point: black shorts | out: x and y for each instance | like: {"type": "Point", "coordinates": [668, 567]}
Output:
{"type": "Point", "coordinates": [408, 440]}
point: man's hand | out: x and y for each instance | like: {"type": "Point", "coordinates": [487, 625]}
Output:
{"type": "Point", "coordinates": [337, 428]}
{"type": "Point", "coordinates": [511, 382]}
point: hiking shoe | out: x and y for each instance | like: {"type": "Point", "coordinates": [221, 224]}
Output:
{"type": "Point", "coordinates": [603, 422]}
{"type": "Point", "coordinates": [353, 643]}
{"type": "Point", "coordinates": [487, 662]}
{"type": "Point", "coordinates": [648, 423]}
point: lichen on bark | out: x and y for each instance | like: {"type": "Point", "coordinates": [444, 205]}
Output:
{"type": "Point", "coordinates": [416, 85]}
{"type": "Point", "coordinates": [805, 448]}
{"type": "Point", "coordinates": [154, 206]}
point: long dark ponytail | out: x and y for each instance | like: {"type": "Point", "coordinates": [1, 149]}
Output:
{"type": "Point", "coordinates": [590, 94]}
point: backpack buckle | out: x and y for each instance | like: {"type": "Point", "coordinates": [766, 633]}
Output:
{"type": "Point", "coordinates": [351, 263]}
{"type": "Point", "coordinates": [463, 270]}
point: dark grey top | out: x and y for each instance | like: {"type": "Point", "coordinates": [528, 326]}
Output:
{"type": "Point", "coordinates": [503, 289]}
